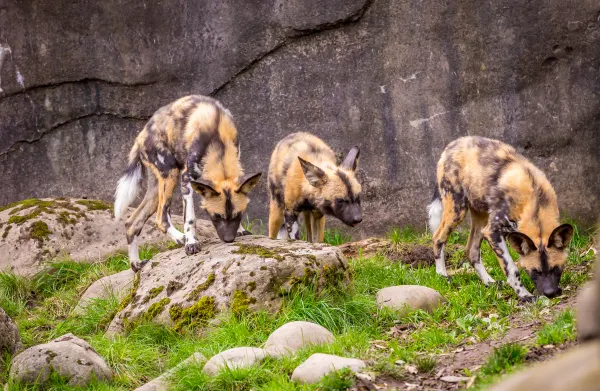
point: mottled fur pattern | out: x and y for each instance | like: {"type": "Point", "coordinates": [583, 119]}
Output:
{"type": "Point", "coordinates": [509, 199]}
{"type": "Point", "coordinates": [304, 178]}
{"type": "Point", "coordinates": [193, 139]}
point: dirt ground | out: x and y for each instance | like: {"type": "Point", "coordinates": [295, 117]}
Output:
{"type": "Point", "coordinates": [449, 371]}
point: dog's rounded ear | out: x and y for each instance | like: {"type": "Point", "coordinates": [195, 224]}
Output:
{"type": "Point", "coordinates": [521, 243]}
{"type": "Point", "coordinates": [315, 176]}
{"type": "Point", "coordinates": [561, 236]}
{"type": "Point", "coordinates": [249, 183]}
{"type": "Point", "coordinates": [204, 188]}
{"type": "Point", "coordinates": [351, 160]}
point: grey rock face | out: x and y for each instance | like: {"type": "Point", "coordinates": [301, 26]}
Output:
{"type": "Point", "coordinates": [402, 79]}
{"type": "Point", "coordinates": [69, 356]}
{"type": "Point", "coordinates": [319, 365]}
{"type": "Point", "coordinates": [293, 336]}
{"type": "Point", "coordinates": [249, 274]}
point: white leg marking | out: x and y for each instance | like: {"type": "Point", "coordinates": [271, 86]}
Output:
{"type": "Point", "coordinates": [295, 231]}
{"type": "Point", "coordinates": [174, 232]}
{"type": "Point", "coordinates": [283, 233]}
{"type": "Point", "coordinates": [512, 272]}
{"type": "Point", "coordinates": [134, 254]}
{"type": "Point", "coordinates": [440, 263]}
{"type": "Point", "coordinates": [189, 215]}
{"type": "Point", "coordinates": [482, 273]}
{"type": "Point", "coordinates": [435, 214]}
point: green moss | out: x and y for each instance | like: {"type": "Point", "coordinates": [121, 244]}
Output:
{"type": "Point", "coordinates": [154, 264]}
{"type": "Point", "coordinates": [8, 206]}
{"type": "Point", "coordinates": [129, 298]}
{"type": "Point", "coordinates": [157, 308]}
{"type": "Point", "coordinates": [6, 231]}
{"type": "Point", "coordinates": [196, 315]}
{"type": "Point", "coordinates": [241, 302]}
{"type": "Point", "coordinates": [251, 286]}
{"type": "Point", "coordinates": [202, 287]}
{"type": "Point", "coordinates": [68, 218]}
{"type": "Point", "coordinates": [175, 311]}
{"type": "Point", "coordinates": [39, 231]}
{"type": "Point", "coordinates": [95, 204]}
{"type": "Point", "coordinates": [252, 274]}
{"type": "Point", "coordinates": [263, 268]}
{"type": "Point", "coordinates": [153, 293]}
{"type": "Point", "coordinates": [262, 252]}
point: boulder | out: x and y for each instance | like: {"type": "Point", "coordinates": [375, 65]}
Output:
{"type": "Point", "coordinates": [319, 365]}
{"type": "Point", "coordinates": [588, 319]}
{"type": "Point", "coordinates": [35, 230]}
{"type": "Point", "coordinates": [10, 340]}
{"type": "Point", "coordinates": [293, 336]}
{"type": "Point", "coordinates": [162, 383]}
{"type": "Point", "coordinates": [252, 273]}
{"type": "Point", "coordinates": [234, 358]}
{"type": "Point", "coordinates": [576, 369]}
{"type": "Point", "coordinates": [407, 298]}
{"type": "Point", "coordinates": [117, 285]}
{"type": "Point", "coordinates": [69, 356]}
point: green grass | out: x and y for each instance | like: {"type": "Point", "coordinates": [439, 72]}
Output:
{"type": "Point", "coordinates": [561, 330]}
{"type": "Point", "coordinates": [336, 237]}
{"type": "Point", "coordinates": [504, 358]}
{"type": "Point", "coordinates": [42, 308]}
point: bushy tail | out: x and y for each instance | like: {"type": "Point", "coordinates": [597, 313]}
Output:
{"type": "Point", "coordinates": [127, 189]}
{"type": "Point", "coordinates": [434, 209]}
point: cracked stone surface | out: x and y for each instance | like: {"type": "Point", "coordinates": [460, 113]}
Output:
{"type": "Point", "coordinates": [84, 233]}
{"type": "Point", "coordinates": [69, 356]}
{"type": "Point", "coordinates": [78, 84]}
{"type": "Point", "coordinates": [252, 273]}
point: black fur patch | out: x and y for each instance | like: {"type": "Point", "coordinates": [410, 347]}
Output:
{"type": "Point", "coordinates": [544, 259]}
{"type": "Point", "coordinates": [348, 185]}
{"type": "Point", "coordinates": [228, 205]}
{"type": "Point", "coordinates": [276, 192]}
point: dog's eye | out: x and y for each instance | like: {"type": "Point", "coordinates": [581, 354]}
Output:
{"type": "Point", "coordinates": [534, 274]}
{"type": "Point", "coordinates": [218, 216]}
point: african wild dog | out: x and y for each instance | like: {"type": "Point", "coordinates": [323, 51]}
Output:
{"type": "Point", "coordinates": [194, 136]}
{"type": "Point", "coordinates": [304, 177]}
{"type": "Point", "coordinates": [509, 199]}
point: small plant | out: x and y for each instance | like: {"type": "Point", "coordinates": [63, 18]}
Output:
{"type": "Point", "coordinates": [504, 358]}
{"type": "Point", "coordinates": [397, 235]}
{"type": "Point", "coordinates": [425, 364]}
{"type": "Point", "coordinates": [256, 226]}
{"type": "Point", "coordinates": [559, 331]}
{"type": "Point", "coordinates": [337, 381]}
{"type": "Point", "coordinates": [335, 237]}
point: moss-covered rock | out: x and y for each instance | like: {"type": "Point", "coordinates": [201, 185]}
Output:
{"type": "Point", "coordinates": [157, 308]}
{"type": "Point", "coordinates": [95, 204]}
{"type": "Point", "coordinates": [39, 231]}
{"type": "Point", "coordinates": [261, 251]}
{"type": "Point", "coordinates": [241, 302]}
{"type": "Point", "coordinates": [202, 287]}
{"type": "Point", "coordinates": [195, 315]}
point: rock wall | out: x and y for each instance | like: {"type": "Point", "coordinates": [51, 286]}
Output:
{"type": "Point", "coordinates": [400, 78]}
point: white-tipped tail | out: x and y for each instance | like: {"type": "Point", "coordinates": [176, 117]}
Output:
{"type": "Point", "coordinates": [127, 190]}
{"type": "Point", "coordinates": [435, 214]}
